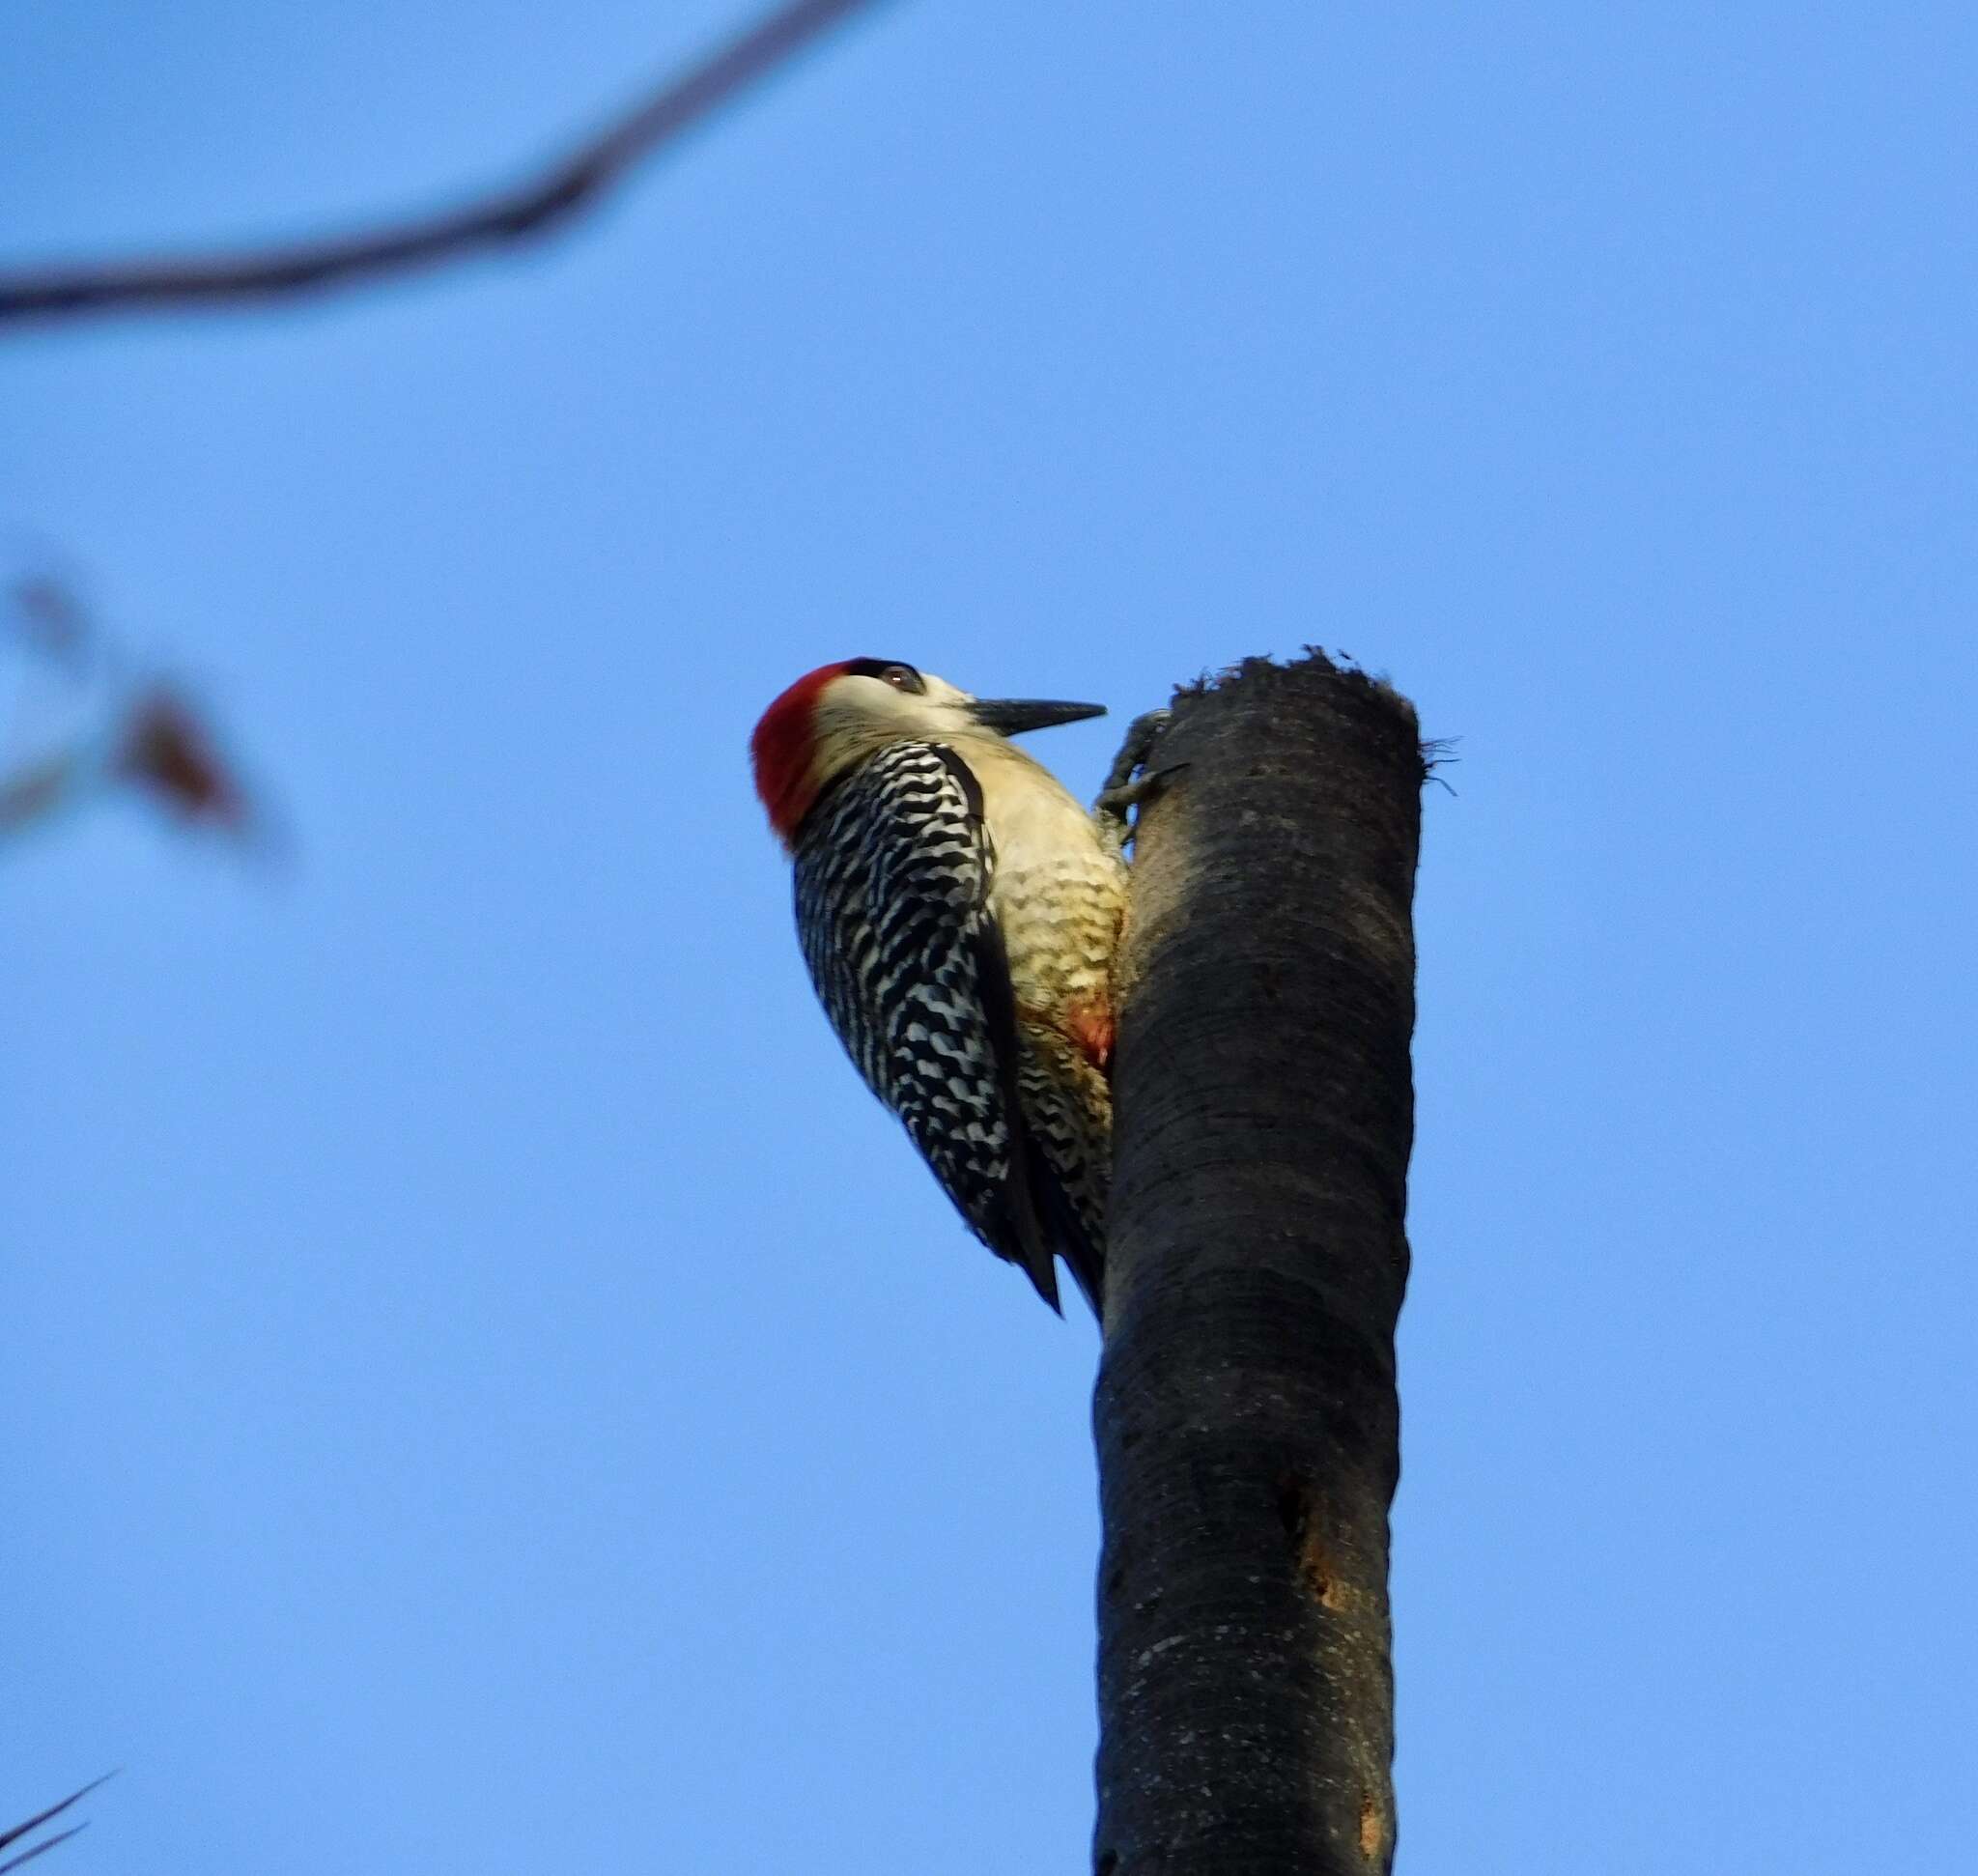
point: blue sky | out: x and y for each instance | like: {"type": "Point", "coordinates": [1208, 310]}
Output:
{"type": "Point", "coordinates": [485, 1387]}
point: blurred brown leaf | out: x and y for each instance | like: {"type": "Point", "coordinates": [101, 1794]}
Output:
{"type": "Point", "coordinates": [168, 750]}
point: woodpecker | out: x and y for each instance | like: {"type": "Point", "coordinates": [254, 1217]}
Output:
{"type": "Point", "coordinates": [959, 912]}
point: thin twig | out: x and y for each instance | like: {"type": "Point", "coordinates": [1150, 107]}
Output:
{"type": "Point", "coordinates": [508, 216]}
{"type": "Point", "coordinates": [34, 1823]}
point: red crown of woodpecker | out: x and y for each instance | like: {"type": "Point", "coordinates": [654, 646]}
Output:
{"type": "Point", "coordinates": [782, 749]}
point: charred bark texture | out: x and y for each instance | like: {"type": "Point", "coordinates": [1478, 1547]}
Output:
{"type": "Point", "coordinates": [1246, 1413]}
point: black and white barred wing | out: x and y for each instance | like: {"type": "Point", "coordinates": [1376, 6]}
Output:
{"type": "Point", "coordinates": [892, 872]}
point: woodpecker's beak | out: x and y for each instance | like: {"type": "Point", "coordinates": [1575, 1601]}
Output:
{"type": "Point", "coordinates": [1013, 716]}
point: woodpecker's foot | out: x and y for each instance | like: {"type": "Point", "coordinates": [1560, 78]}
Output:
{"type": "Point", "coordinates": [1130, 782]}
{"type": "Point", "coordinates": [1142, 734]}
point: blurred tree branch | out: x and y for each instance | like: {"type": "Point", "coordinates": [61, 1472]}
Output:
{"type": "Point", "coordinates": [507, 218]}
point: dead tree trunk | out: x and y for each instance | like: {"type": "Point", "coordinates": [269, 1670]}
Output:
{"type": "Point", "coordinates": [1246, 1413]}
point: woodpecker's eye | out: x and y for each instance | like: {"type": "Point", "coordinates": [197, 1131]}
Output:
{"type": "Point", "coordinates": [889, 670]}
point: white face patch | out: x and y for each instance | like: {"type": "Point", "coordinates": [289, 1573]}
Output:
{"type": "Point", "coordinates": [856, 715]}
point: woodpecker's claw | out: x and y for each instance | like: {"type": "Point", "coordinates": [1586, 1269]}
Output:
{"type": "Point", "coordinates": [1142, 734]}
{"type": "Point", "coordinates": [1130, 782]}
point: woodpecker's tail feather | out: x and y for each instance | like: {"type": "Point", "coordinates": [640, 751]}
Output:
{"type": "Point", "coordinates": [1043, 1276]}
{"type": "Point", "coordinates": [1090, 1272]}
{"type": "Point", "coordinates": [1018, 1234]}
{"type": "Point", "coordinates": [1064, 1231]}
{"type": "Point", "coordinates": [1035, 1224]}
